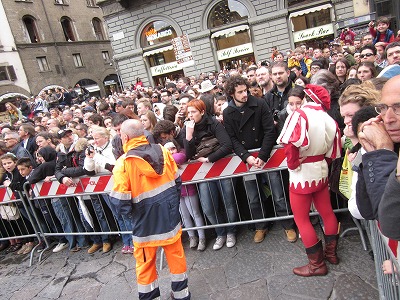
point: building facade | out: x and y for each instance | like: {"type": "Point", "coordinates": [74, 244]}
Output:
{"type": "Point", "coordinates": [46, 43]}
{"type": "Point", "coordinates": [222, 34]}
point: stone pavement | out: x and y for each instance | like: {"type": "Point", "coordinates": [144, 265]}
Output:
{"type": "Point", "coordinates": [246, 271]}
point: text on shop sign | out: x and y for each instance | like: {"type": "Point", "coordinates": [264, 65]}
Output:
{"type": "Point", "coordinates": [235, 51]}
{"type": "Point", "coordinates": [312, 33]}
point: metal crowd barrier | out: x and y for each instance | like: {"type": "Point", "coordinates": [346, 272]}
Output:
{"type": "Point", "coordinates": [16, 221]}
{"type": "Point", "coordinates": [386, 262]}
{"type": "Point", "coordinates": [85, 208]}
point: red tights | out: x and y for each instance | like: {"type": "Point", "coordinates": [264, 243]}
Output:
{"type": "Point", "coordinates": [301, 204]}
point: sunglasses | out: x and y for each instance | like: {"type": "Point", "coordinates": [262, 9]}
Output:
{"type": "Point", "coordinates": [366, 55]}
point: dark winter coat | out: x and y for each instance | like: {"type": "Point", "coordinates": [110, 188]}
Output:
{"type": "Point", "coordinates": [250, 127]}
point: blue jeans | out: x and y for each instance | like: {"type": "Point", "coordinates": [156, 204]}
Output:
{"type": "Point", "coordinates": [281, 205]}
{"type": "Point", "coordinates": [209, 199]}
{"type": "Point", "coordinates": [63, 211]}
{"type": "Point", "coordinates": [101, 218]}
{"type": "Point", "coordinates": [256, 199]}
{"type": "Point", "coordinates": [124, 223]}
{"type": "Point", "coordinates": [51, 220]}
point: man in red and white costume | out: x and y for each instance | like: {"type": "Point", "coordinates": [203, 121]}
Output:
{"type": "Point", "coordinates": [311, 138]}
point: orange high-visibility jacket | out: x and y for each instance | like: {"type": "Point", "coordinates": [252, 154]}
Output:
{"type": "Point", "coordinates": [146, 190]}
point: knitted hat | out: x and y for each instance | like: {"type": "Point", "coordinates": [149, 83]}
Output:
{"type": "Point", "coordinates": [319, 95]}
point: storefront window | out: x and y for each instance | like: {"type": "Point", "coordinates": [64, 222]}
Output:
{"type": "Point", "coordinates": [162, 58]}
{"type": "Point", "coordinates": [226, 12]}
{"type": "Point", "coordinates": [310, 20]}
{"type": "Point", "coordinates": [235, 39]}
{"type": "Point", "coordinates": [157, 32]}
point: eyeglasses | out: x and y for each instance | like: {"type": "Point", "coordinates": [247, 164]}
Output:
{"type": "Point", "coordinates": [383, 108]}
{"type": "Point", "coordinates": [315, 68]}
{"type": "Point", "coordinates": [366, 55]}
{"type": "Point", "coordinates": [8, 139]}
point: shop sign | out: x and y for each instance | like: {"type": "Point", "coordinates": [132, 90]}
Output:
{"type": "Point", "coordinates": [235, 51]}
{"type": "Point", "coordinates": [166, 68]}
{"type": "Point", "coordinates": [182, 50]}
{"type": "Point", "coordinates": [312, 33]}
{"type": "Point", "coordinates": [153, 34]}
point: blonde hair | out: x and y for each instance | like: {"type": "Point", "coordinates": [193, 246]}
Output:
{"type": "Point", "coordinates": [100, 130]}
{"type": "Point", "coordinates": [361, 94]}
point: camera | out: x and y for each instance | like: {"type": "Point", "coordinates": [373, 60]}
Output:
{"type": "Point", "coordinates": [275, 115]}
{"type": "Point", "coordinates": [90, 149]}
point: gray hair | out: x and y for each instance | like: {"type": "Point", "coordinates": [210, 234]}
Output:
{"type": "Point", "coordinates": [132, 128]}
{"type": "Point", "coordinates": [327, 80]}
{"type": "Point", "coordinates": [12, 134]}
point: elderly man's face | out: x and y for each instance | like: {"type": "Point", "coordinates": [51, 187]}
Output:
{"type": "Point", "coordinates": [391, 97]}
{"type": "Point", "coordinates": [10, 141]}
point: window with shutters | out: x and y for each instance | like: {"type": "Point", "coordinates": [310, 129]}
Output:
{"type": "Point", "coordinates": [43, 64]}
{"type": "Point", "coordinates": [77, 60]}
{"type": "Point", "coordinates": [7, 73]}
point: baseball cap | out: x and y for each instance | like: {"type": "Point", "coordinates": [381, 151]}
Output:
{"type": "Point", "coordinates": [63, 132]}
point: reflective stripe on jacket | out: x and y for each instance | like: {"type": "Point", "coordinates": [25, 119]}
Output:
{"type": "Point", "coordinates": [147, 190]}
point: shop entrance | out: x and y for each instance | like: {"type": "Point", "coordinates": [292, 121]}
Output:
{"type": "Point", "coordinates": [237, 62]}
{"type": "Point", "coordinates": [161, 79]}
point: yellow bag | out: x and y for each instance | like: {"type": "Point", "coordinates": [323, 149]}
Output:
{"type": "Point", "coordinates": [346, 175]}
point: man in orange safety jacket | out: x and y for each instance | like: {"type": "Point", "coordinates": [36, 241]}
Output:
{"type": "Point", "coordinates": [146, 190]}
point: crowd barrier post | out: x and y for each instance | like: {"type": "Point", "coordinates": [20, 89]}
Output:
{"type": "Point", "coordinates": [385, 260]}
{"type": "Point", "coordinates": [16, 219]}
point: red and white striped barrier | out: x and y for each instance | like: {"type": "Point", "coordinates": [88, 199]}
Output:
{"type": "Point", "coordinates": [6, 194]}
{"type": "Point", "coordinates": [192, 172]}
{"type": "Point", "coordinates": [83, 185]}
{"type": "Point", "coordinates": [227, 166]}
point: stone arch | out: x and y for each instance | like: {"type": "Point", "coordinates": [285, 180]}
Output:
{"type": "Point", "coordinates": [146, 21]}
{"type": "Point", "coordinates": [207, 10]}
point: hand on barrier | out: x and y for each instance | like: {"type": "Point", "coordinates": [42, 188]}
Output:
{"type": "Point", "coordinates": [251, 160]}
{"type": "Point", "coordinates": [7, 183]}
{"type": "Point", "coordinates": [67, 181]}
{"type": "Point", "coordinates": [259, 163]}
{"type": "Point", "coordinates": [49, 178]}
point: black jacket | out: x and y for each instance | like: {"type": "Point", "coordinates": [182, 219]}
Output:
{"type": "Point", "coordinates": [207, 127]}
{"type": "Point", "coordinates": [275, 101]}
{"type": "Point", "coordinates": [250, 127]}
{"type": "Point", "coordinates": [45, 169]}
{"type": "Point", "coordinates": [70, 164]}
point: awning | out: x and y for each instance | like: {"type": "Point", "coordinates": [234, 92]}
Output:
{"type": "Point", "coordinates": [92, 88]}
{"type": "Point", "coordinates": [12, 95]}
{"type": "Point", "coordinates": [159, 50]}
{"type": "Point", "coordinates": [309, 10]}
{"type": "Point", "coordinates": [230, 30]}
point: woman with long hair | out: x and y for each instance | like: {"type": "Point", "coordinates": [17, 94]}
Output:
{"type": "Point", "coordinates": [148, 120]}
{"type": "Point", "coordinates": [14, 114]}
{"type": "Point", "coordinates": [366, 71]}
{"type": "Point", "coordinates": [342, 66]}
{"type": "Point", "coordinates": [202, 125]}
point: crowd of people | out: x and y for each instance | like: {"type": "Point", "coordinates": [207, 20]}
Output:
{"type": "Point", "coordinates": [313, 102]}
